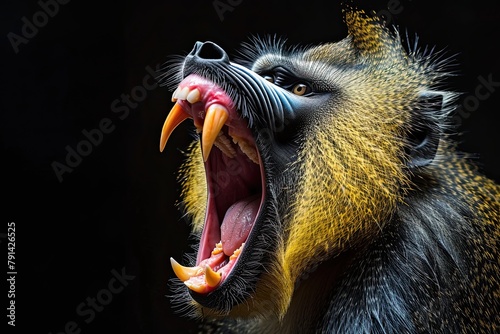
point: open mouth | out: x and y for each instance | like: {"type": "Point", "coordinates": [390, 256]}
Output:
{"type": "Point", "coordinates": [235, 182]}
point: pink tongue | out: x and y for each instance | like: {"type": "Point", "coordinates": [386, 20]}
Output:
{"type": "Point", "coordinates": [237, 223]}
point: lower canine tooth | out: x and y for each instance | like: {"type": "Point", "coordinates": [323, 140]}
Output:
{"type": "Point", "coordinates": [213, 278]}
{"type": "Point", "coordinates": [184, 273]}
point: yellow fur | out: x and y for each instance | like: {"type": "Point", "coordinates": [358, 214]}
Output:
{"type": "Point", "coordinates": [194, 187]}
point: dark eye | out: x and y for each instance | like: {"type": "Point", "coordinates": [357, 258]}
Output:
{"type": "Point", "coordinates": [301, 89]}
{"type": "Point", "coordinates": [285, 79]}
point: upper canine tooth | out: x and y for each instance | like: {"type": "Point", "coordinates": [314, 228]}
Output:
{"type": "Point", "coordinates": [215, 118]}
{"type": "Point", "coordinates": [183, 93]}
{"type": "Point", "coordinates": [193, 96]}
{"type": "Point", "coordinates": [184, 273]}
{"type": "Point", "coordinates": [176, 116]}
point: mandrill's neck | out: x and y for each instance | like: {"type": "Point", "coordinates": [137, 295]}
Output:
{"type": "Point", "coordinates": [311, 300]}
{"type": "Point", "coordinates": [309, 308]}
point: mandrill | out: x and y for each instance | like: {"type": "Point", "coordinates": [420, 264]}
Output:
{"type": "Point", "coordinates": [325, 193]}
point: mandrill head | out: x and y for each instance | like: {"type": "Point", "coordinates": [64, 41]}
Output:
{"type": "Point", "coordinates": [303, 156]}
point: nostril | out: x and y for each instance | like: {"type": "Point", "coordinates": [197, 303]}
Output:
{"type": "Point", "coordinates": [208, 51]}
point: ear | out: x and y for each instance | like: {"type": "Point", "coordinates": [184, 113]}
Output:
{"type": "Point", "coordinates": [423, 139]}
{"type": "Point", "coordinates": [367, 32]}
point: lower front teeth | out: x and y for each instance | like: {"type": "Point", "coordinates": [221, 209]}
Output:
{"type": "Point", "coordinates": [203, 278]}
{"type": "Point", "coordinates": [236, 252]}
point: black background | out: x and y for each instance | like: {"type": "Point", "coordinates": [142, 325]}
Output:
{"type": "Point", "coordinates": [116, 209]}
